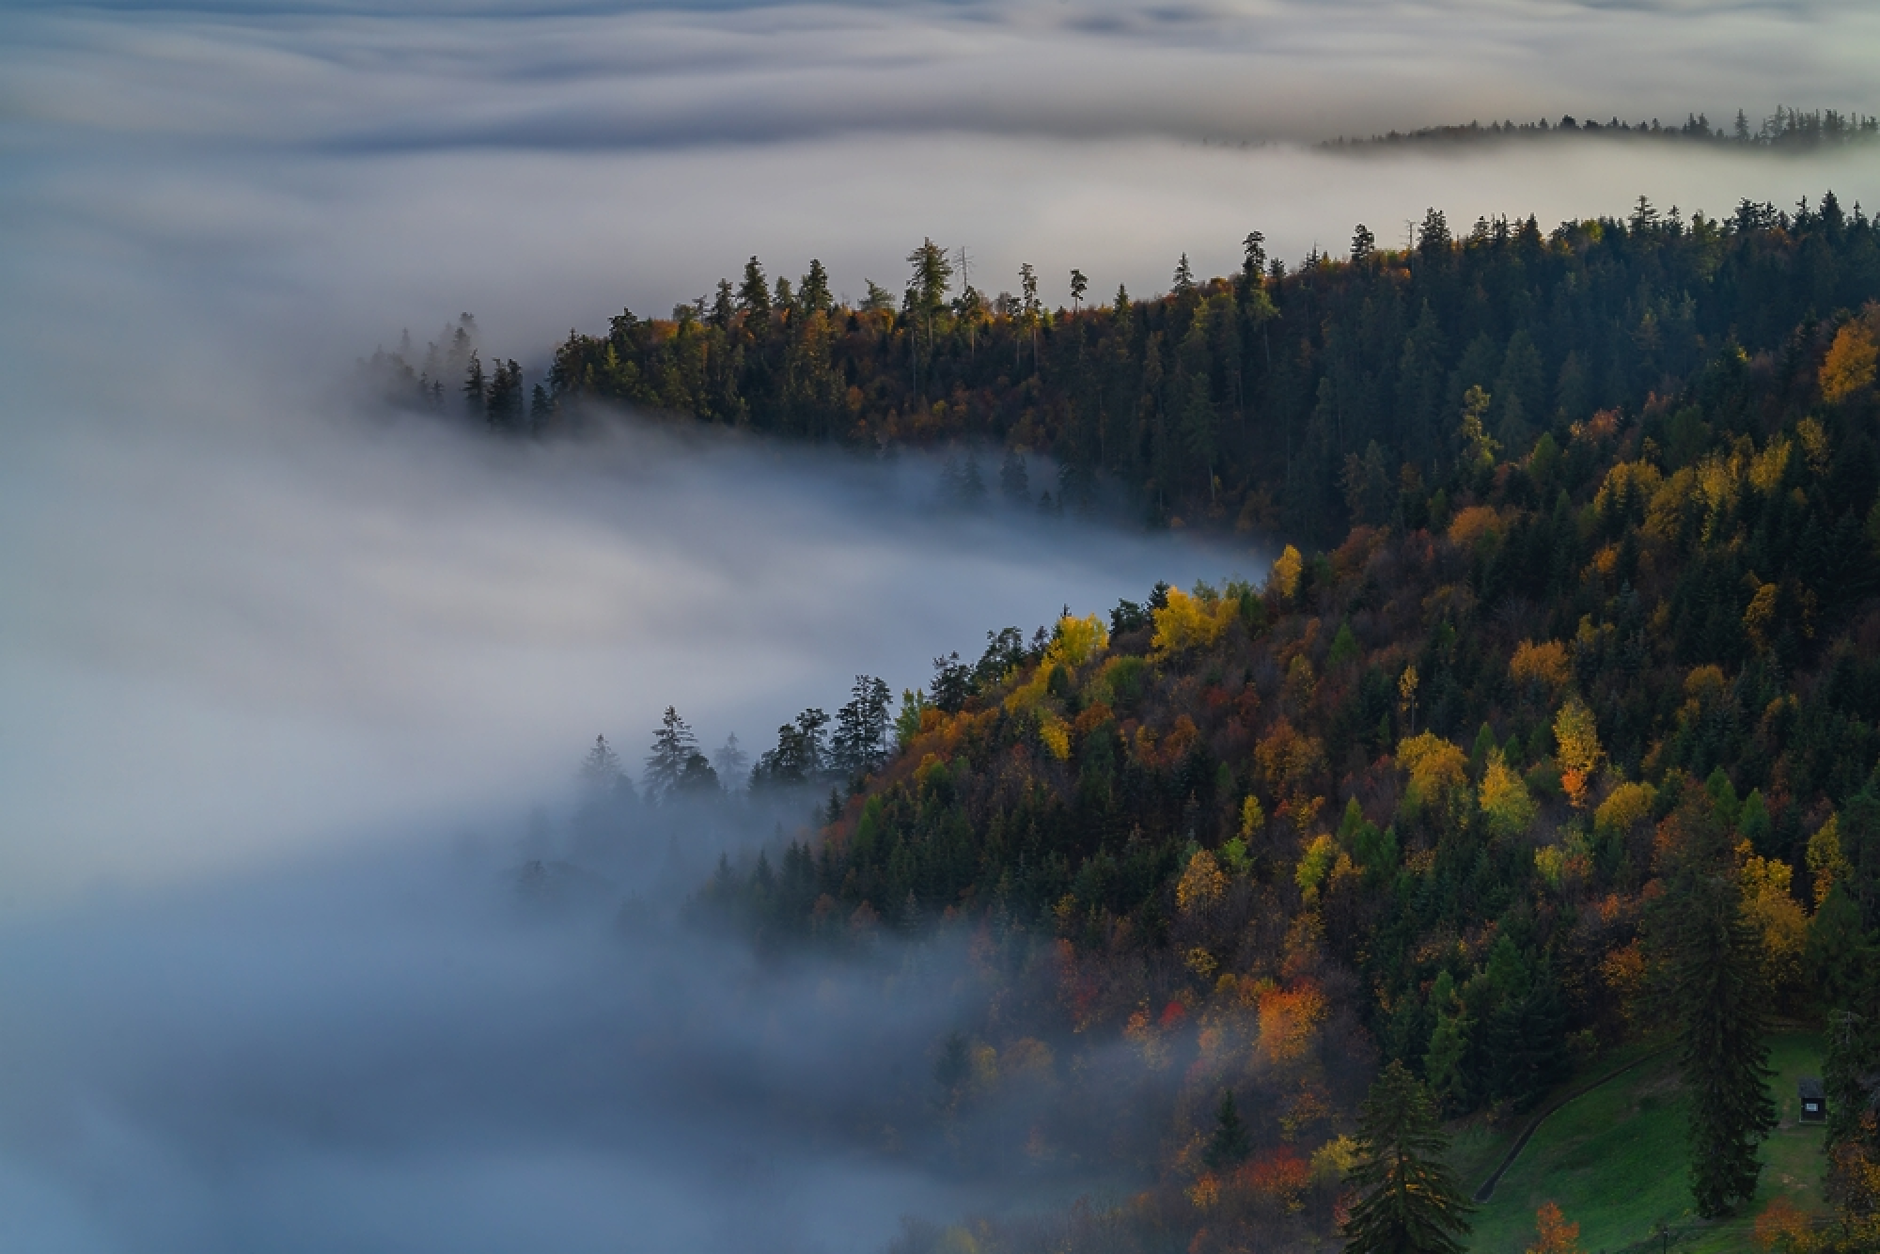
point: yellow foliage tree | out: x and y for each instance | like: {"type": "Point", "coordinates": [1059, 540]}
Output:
{"type": "Point", "coordinates": [1627, 807]}
{"type": "Point", "coordinates": [1334, 1160]}
{"type": "Point", "coordinates": [1188, 622]}
{"type": "Point", "coordinates": [1314, 864]}
{"type": "Point", "coordinates": [1201, 884]}
{"type": "Point", "coordinates": [1771, 907]}
{"type": "Point", "coordinates": [1760, 615]}
{"type": "Point", "coordinates": [1540, 667]}
{"type": "Point", "coordinates": [1505, 799]}
{"type": "Point", "coordinates": [1078, 640]}
{"type": "Point", "coordinates": [1438, 770]}
{"type": "Point", "coordinates": [1055, 734]}
{"type": "Point", "coordinates": [1578, 752]}
{"type": "Point", "coordinates": [1849, 366]}
{"type": "Point", "coordinates": [1826, 863]}
{"type": "Point", "coordinates": [1286, 571]}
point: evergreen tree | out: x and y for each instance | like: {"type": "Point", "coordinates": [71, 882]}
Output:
{"type": "Point", "coordinates": [1014, 479]}
{"type": "Point", "coordinates": [731, 761]}
{"type": "Point", "coordinates": [475, 385]}
{"type": "Point", "coordinates": [1412, 1203]}
{"type": "Point", "coordinates": [1184, 281]}
{"type": "Point", "coordinates": [1714, 964]}
{"type": "Point", "coordinates": [697, 778]}
{"type": "Point", "coordinates": [600, 769]}
{"type": "Point", "coordinates": [1230, 1144]}
{"type": "Point", "coordinates": [754, 292]}
{"type": "Point", "coordinates": [800, 756]}
{"type": "Point", "coordinates": [812, 294]}
{"type": "Point", "coordinates": [860, 743]}
{"type": "Point", "coordinates": [674, 747]}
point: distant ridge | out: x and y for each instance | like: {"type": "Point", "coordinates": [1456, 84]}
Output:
{"type": "Point", "coordinates": [1785, 130]}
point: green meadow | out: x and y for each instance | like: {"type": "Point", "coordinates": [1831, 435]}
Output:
{"type": "Point", "coordinates": [1614, 1160]}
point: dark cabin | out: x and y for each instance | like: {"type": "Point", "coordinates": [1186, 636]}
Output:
{"type": "Point", "coordinates": [1814, 1101]}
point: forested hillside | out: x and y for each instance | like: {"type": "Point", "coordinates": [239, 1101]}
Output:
{"type": "Point", "coordinates": [1556, 731]}
{"type": "Point", "coordinates": [1569, 741]}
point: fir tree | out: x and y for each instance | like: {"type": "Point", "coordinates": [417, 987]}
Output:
{"type": "Point", "coordinates": [1412, 1203]}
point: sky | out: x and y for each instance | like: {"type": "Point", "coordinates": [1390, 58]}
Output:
{"type": "Point", "coordinates": [259, 651]}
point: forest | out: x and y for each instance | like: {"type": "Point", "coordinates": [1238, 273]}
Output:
{"type": "Point", "coordinates": [1554, 730]}
{"type": "Point", "coordinates": [1785, 130]}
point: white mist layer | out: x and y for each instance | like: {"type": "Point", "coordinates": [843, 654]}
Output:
{"type": "Point", "coordinates": [392, 1053]}
{"type": "Point", "coordinates": [238, 639]}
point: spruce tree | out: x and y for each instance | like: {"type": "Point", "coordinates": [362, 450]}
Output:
{"type": "Point", "coordinates": [1412, 1203]}
{"type": "Point", "coordinates": [1713, 962]}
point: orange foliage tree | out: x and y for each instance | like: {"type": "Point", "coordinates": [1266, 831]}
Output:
{"type": "Point", "coordinates": [1556, 1235]}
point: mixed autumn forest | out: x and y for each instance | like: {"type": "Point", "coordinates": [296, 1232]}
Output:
{"type": "Point", "coordinates": [1553, 730]}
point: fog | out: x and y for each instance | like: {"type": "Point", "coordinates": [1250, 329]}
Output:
{"type": "Point", "coordinates": [281, 683]}
{"type": "Point", "coordinates": [398, 1053]}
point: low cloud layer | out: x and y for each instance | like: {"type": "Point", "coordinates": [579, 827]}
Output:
{"type": "Point", "coordinates": [241, 632]}
{"type": "Point", "coordinates": [256, 652]}
{"type": "Point", "coordinates": [394, 1053]}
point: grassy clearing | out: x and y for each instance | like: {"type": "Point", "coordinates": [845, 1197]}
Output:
{"type": "Point", "coordinates": [1615, 1161]}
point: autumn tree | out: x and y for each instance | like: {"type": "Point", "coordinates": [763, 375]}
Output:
{"type": "Point", "coordinates": [1576, 738]}
{"type": "Point", "coordinates": [1412, 1202]}
{"type": "Point", "coordinates": [1554, 1234]}
{"type": "Point", "coordinates": [1849, 366]}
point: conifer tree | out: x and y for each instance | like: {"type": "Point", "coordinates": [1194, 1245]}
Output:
{"type": "Point", "coordinates": [812, 294]}
{"type": "Point", "coordinates": [674, 747]}
{"type": "Point", "coordinates": [754, 292]}
{"type": "Point", "coordinates": [600, 769]}
{"type": "Point", "coordinates": [1412, 1203]}
{"type": "Point", "coordinates": [1230, 1144]}
{"type": "Point", "coordinates": [474, 387]}
{"type": "Point", "coordinates": [1714, 966]}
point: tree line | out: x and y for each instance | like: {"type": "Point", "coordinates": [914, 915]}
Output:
{"type": "Point", "coordinates": [1273, 398]}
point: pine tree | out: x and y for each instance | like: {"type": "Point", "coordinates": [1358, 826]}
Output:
{"type": "Point", "coordinates": [1412, 1203]}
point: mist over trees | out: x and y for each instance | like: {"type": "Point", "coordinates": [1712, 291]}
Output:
{"type": "Point", "coordinates": [1555, 733]}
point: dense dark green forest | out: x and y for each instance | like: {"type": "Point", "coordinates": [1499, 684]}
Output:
{"type": "Point", "coordinates": [1560, 733]}
{"type": "Point", "coordinates": [1785, 130]}
{"type": "Point", "coordinates": [1296, 401]}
